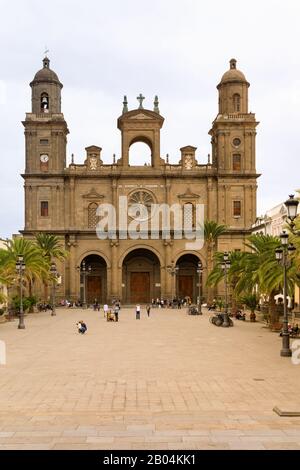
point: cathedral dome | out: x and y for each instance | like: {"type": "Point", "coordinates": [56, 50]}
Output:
{"type": "Point", "coordinates": [46, 74]}
{"type": "Point", "coordinates": [233, 74]}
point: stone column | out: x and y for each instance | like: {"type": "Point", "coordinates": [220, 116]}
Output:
{"type": "Point", "coordinates": [114, 271]}
{"type": "Point", "coordinates": [166, 278]}
{"type": "Point", "coordinates": [72, 202]}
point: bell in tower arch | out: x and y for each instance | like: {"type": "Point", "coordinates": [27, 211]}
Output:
{"type": "Point", "coordinates": [44, 103]}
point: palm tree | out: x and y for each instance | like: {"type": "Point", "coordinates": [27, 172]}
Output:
{"type": "Point", "coordinates": [51, 249]}
{"type": "Point", "coordinates": [217, 274]}
{"type": "Point", "coordinates": [36, 264]}
{"type": "Point", "coordinates": [257, 269]}
{"type": "Point", "coordinates": [212, 231]}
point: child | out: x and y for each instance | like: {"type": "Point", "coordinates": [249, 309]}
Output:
{"type": "Point", "coordinates": [81, 327]}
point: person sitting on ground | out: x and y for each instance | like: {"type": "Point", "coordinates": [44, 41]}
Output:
{"type": "Point", "coordinates": [81, 327]}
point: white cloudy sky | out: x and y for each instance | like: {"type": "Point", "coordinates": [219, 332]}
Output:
{"type": "Point", "coordinates": [103, 49]}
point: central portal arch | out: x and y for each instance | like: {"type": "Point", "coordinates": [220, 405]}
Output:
{"type": "Point", "coordinates": [140, 276]}
{"type": "Point", "coordinates": [95, 280]}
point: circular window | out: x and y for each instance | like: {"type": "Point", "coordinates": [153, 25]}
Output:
{"type": "Point", "coordinates": [236, 142]}
{"type": "Point", "coordinates": [141, 202]}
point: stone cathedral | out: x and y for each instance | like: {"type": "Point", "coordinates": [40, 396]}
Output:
{"type": "Point", "coordinates": [63, 199]}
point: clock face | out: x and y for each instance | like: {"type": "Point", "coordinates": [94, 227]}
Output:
{"type": "Point", "coordinates": [44, 158]}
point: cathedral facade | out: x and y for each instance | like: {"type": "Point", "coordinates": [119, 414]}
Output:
{"type": "Point", "coordinates": [65, 200]}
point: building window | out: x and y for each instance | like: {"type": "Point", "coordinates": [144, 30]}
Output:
{"type": "Point", "coordinates": [44, 209]}
{"type": "Point", "coordinates": [189, 215]}
{"type": "Point", "coordinates": [237, 208]}
{"type": "Point", "coordinates": [236, 142]}
{"type": "Point", "coordinates": [236, 162]}
{"type": "Point", "coordinates": [44, 141]}
{"type": "Point", "coordinates": [92, 215]}
{"type": "Point", "coordinates": [236, 102]}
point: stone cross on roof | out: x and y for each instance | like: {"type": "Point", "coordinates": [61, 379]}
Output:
{"type": "Point", "coordinates": [140, 98]}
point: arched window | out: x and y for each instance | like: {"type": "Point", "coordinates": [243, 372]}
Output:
{"type": "Point", "coordinates": [140, 154]}
{"type": "Point", "coordinates": [45, 103]}
{"type": "Point", "coordinates": [236, 102]}
{"type": "Point", "coordinates": [92, 215]}
{"type": "Point", "coordinates": [189, 215]}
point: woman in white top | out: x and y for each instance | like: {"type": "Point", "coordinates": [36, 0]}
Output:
{"type": "Point", "coordinates": [105, 309]}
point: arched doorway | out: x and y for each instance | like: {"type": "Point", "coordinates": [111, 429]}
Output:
{"type": "Point", "coordinates": [95, 279]}
{"type": "Point", "coordinates": [140, 276]}
{"type": "Point", "coordinates": [187, 277]}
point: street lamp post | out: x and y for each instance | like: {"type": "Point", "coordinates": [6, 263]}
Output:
{"type": "Point", "coordinates": [173, 270]}
{"type": "Point", "coordinates": [225, 266]}
{"type": "Point", "coordinates": [84, 270]}
{"type": "Point", "coordinates": [282, 257]}
{"type": "Point", "coordinates": [199, 272]}
{"type": "Point", "coordinates": [54, 273]}
{"type": "Point", "coordinates": [20, 268]}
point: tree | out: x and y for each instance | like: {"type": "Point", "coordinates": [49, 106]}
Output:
{"type": "Point", "coordinates": [212, 231]}
{"type": "Point", "coordinates": [51, 248]}
{"type": "Point", "coordinates": [236, 267]}
{"type": "Point", "coordinates": [36, 264]}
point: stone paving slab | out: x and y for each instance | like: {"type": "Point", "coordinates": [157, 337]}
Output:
{"type": "Point", "coordinates": [171, 381]}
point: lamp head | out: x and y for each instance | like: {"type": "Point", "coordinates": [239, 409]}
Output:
{"type": "Point", "coordinates": [284, 238]}
{"type": "Point", "coordinates": [291, 204]}
{"type": "Point", "coordinates": [278, 254]}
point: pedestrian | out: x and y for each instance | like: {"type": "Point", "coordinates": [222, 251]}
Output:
{"type": "Point", "coordinates": [81, 327]}
{"type": "Point", "coordinates": [148, 308]}
{"type": "Point", "coordinates": [116, 312]}
{"type": "Point", "coordinates": [138, 312]}
{"type": "Point", "coordinates": [105, 310]}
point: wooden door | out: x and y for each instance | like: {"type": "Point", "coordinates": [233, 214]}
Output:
{"type": "Point", "coordinates": [185, 286]}
{"type": "Point", "coordinates": [139, 287]}
{"type": "Point", "coordinates": [93, 289]}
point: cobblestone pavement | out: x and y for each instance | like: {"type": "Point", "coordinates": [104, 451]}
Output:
{"type": "Point", "coordinates": [171, 381]}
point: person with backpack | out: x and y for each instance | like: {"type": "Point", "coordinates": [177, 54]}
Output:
{"type": "Point", "coordinates": [82, 328]}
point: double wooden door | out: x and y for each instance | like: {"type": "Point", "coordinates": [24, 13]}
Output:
{"type": "Point", "coordinates": [93, 289]}
{"type": "Point", "coordinates": [185, 286]}
{"type": "Point", "coordinates": [139, 287]}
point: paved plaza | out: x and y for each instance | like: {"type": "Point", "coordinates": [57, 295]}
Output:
{"type": "Point", "coordinates": [171, 381]}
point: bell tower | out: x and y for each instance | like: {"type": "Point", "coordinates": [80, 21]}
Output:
{"type": "Point", "coordinates": [45, 128]}
{"type": "Point", "coordinates": [45, 152]}
{"type": "Point", "coordinates": [233, 151]}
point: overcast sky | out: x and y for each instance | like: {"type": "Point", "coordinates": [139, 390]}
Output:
{"type": "Point", "coordinates": [102, 50]}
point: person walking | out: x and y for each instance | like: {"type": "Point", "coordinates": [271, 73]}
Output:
{"type": "Point", "coordinates": [138, 312]}
{"type": "Point", "coordinates": [148, 308]}
{"type": "Point", "coordinates": [116, 312]}
{"type": "Point", "coordinates": [105, 310]}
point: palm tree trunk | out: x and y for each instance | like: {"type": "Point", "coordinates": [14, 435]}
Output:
{"type": "Point", "coordinates": [273, 313]}
{"type": "Point", "coordinates": [46, 292]}
{"type": "Point", "coordinates": [30, 294]}
{"type": "Point", "coordinates": [210, 289]}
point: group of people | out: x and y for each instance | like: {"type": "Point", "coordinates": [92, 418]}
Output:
{"type": "Point", "coordinates": [171, 303]}
{"type": "Point", "coordinates": [293, 330]}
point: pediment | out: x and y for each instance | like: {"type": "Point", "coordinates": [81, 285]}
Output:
{"type": "Point", "coordinates": [93, 194]}
{"type": "Point", "coordinates": [141, 116]}
{"type": "Point", "coordinates": [188, 148]}
{"type": "Point", "coordinates": [189, 195]}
